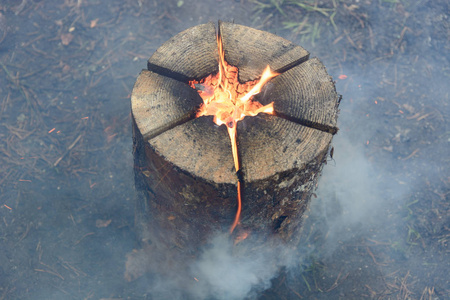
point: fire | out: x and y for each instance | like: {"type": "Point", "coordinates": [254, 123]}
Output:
{"type": "Point", "coordinates": [230, 101]}
{"type": "Point", "coordinates": [240, 237]}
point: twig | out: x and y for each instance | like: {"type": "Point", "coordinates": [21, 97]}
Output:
{"type": "Point", "coordinates": [68, 266]}
{"type": "Point", "coordinates": [86, 235]}
{"type": "Point", "coordinates": [24, 235]}
{"type": "Point", "coordinates": [50, 272]}
{"type": "Point", "coordinates": [296, 293]}
{"type": "Point", "coordinates": [373, 257]}
{"type": "Point", "coordinates": [53, 271]}
{"type": "Point", "coordinates": [67, 151]}
{"type": "Point", "coordinates": [411, 155]}
{"type": "Point", "coordinates": [336, 282]}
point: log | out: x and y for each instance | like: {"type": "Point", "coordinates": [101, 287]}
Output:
{"type": "Point", "coordinates": [184, 164]}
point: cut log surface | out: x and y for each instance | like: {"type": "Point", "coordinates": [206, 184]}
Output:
{"type": "Point", "coordinates": [271, 145]}
{"type": "Point", "coordinates": [191, 54]}
{"type": "Point", "coordinates": [185, 163]}
{"type": "Point", "coordinates": [252, 50]}
{"type": "Point", "coordinates": [160, 103]}
{"type": "Point", "coordinates": [200, 148]}
{"type": "Point", "coordinates": [304, 94]}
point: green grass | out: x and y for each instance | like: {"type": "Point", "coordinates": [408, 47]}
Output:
{"type": "Point", "coordinates": [304, 18]}
{"type": "Point", "coordinates": [413, 236]}
{"type": "Point", "coordinates": [312, 274]}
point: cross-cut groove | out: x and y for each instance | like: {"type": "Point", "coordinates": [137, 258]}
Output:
{"type": "Point", "coordinates": [168, 73]}
{"type": "Point", "coordinates": [255, 49]}
{"type": "Point", "coordinates": [292, 65]}
{"type": "Point", "coordinates": [307, 123]}
{"type": "Point", "coordinates": [218, 31]}
{"type": "Point", "coordinates": [157, 131]}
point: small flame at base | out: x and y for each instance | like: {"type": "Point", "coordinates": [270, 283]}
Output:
{"type": "Point", "coordinates": [239, 208]}
{"type": "Point", "coordinates": [229, 101]}
{"type": "Point", "coordinates": [232, 132]}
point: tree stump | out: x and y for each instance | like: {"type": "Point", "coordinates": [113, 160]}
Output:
{"type": "Point", "coordinates": [184, 164]}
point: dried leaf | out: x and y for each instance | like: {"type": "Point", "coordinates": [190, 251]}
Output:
{"type": "Point", "coordinates": [408, 107]}
{"type": "Point", "coordinates": [102, 223]}
{"type": "Point", "coordinates": [66, 38]}
{"type": "Point", "coordinates": [94, 23]}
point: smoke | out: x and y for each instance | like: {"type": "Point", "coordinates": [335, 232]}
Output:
{"type": "Point", "coordinates": [220, 270]}
{"type": "Point", "coordinates": [349, 202]}
{"type": "Point", "coordinates": [225, 276]}
{"type": "Point", "coordinates": [348, 189]}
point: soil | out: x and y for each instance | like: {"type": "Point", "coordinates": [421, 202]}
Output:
{"type": "Point", "coordinates": [379, 225]}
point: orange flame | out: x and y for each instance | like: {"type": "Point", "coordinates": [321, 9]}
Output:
{"type": "Point", "coordinates": [230, 101]}
{"type": "Point", "coordinates": [240, 237]}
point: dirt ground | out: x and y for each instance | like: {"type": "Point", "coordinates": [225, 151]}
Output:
{"type": "Point", "coordinates": [379, 225]}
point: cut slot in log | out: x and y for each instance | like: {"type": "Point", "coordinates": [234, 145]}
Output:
{"type": "Point", "coordinates": [184, 164]}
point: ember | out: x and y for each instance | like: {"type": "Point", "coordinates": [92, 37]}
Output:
{"type": "Point", "coordinates": [229, 101]}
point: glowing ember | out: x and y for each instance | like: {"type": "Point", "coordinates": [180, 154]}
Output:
{"type": "Point", "coordinates": [229, 101]}
{"type": "Point", "coordinates": [241, 236]}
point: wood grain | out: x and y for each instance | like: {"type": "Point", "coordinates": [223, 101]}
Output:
{"type": "Point", "coordinates": [304, 94]}
{"type": "Point", "coordinates": [191, 54]}
{"type": "Point", "coordinates": [199, 147]}
{"type": "Point", "coordinates": [159, 103]}
{"type": "Point", "coordinates": [251, 50]}
{"type": "Point", "coordinates": [270, 145]}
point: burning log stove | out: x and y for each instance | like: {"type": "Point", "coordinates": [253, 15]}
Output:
{"type": "Point", "coordinates": [230, 133]}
